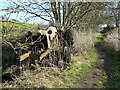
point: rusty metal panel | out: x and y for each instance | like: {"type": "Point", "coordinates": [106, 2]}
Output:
{"type": "Point", "coordinates": [43, 55]}
{"type": "Point", "coordinates": [24, 56]}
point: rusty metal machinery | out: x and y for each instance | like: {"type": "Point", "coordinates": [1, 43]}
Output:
{"type": "Point", "coordinates": [45, 44]}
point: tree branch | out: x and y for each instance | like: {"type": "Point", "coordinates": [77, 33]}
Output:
{"type": "Point", "coordinates": [77, 19]}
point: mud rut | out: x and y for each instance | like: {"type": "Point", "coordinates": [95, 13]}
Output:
{"type": "Point", "coordinates": [104, 63]}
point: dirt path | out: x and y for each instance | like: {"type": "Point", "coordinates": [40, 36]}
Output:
{"type": "Point", "coordinates": [104, 63]}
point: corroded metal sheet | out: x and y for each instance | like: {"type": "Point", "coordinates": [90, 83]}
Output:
{"type": "Point", "coordinates": [24, 56]}
{"type": "Point", "coordinates": [43, 55]}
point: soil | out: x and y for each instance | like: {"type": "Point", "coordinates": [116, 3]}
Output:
{"type": "Point", "coordinates": [104, 63]}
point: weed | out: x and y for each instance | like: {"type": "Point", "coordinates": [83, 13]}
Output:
{"type": "Point", "coordinates": [102, 81]}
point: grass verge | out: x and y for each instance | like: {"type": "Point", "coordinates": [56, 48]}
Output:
{"type": "Point", "coordinates": [76, 71]}
{"type": "Point", "coordinates": [116, 73]}
{"type": "Point", "coordinates": [53, 78]}
{"type": "Point", "coordinates": [113, 81]}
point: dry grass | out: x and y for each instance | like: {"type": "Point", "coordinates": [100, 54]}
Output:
{"type": "Point", "coordinates": [0, 86]}
{"type": "Point", "coordinates": [39, 78]}
{"type": "Point", "coordinates": [113, 40]}
{"type": "Point", "coordinates": [52, 77]}
{"type": "Point", "coordinates": [85, 41]}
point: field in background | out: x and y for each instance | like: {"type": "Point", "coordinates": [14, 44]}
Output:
{"type": "Point", "coordinates": [14, 29]}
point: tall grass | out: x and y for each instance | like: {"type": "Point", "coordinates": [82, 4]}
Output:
{"type": "Point", "coordinates": [112, 48]}
{"type": "Point", "coordinates": [52, 77]}
{"type": "Point", "coordinates": [85, 41]}
{"type": "Point", "coordinates": [113, 40]}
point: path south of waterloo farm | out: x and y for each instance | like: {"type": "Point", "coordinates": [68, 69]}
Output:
{"type": "Point", "coordinates": [83, 72]}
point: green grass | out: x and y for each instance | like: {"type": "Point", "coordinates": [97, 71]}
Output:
{"type": "Point", "coordinates": [97, 37]}
{"type": "Point", "coordinates": [115, 75]}
{"type": "Point", "coordinates": [12, 31]}
{"type": "Point", "coordinates": [7, 53]}
{"type": "Point", "coordinates": [71, 77]}
{"type": "Point", "coordinates": [74, 73]}
{"type": "Point", "coordinates": [102, 81]}
{"type": "Point", "coordinates": [14, 28]}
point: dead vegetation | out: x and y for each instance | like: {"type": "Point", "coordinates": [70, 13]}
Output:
{"type": "Point", "coordinates": [45, 73]}
{"type": "Point", "coordinates": [113, 39]}
{"type": "Point", "coordinates": [84, 41]}
{"type": "Point", "coordinates": [51, 76]}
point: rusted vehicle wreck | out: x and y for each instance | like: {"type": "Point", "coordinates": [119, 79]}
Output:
{"type": "Point", "coordinates": [47, 48]}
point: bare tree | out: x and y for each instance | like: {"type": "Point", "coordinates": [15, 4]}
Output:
{"type": "Point", "coordinates": [95, 17]}
{"type": "Point", "coordinates": [114, 12]}
{"type": "Point", "coordinates": [59, 13]}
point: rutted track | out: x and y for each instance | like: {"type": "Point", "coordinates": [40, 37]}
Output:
{"type": "Point", "coordinates": [104, 63]}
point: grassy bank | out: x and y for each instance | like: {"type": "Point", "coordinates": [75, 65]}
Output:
{"type": "Point", "coordinates": [12, 29]}
{"type": "Point", "coordinates": [110, 46]}
{"type": "Point", "coordinates": [76, 71]}
{"type": "Point", "coordinates": [115, 75]}
{"type": "Point", "coordinates": [113, 50]}
{"type": "Point", "coordinates": [53, 77]}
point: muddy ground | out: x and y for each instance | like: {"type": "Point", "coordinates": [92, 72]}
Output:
{"type": "Point", "coordinates": [104, 63]}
